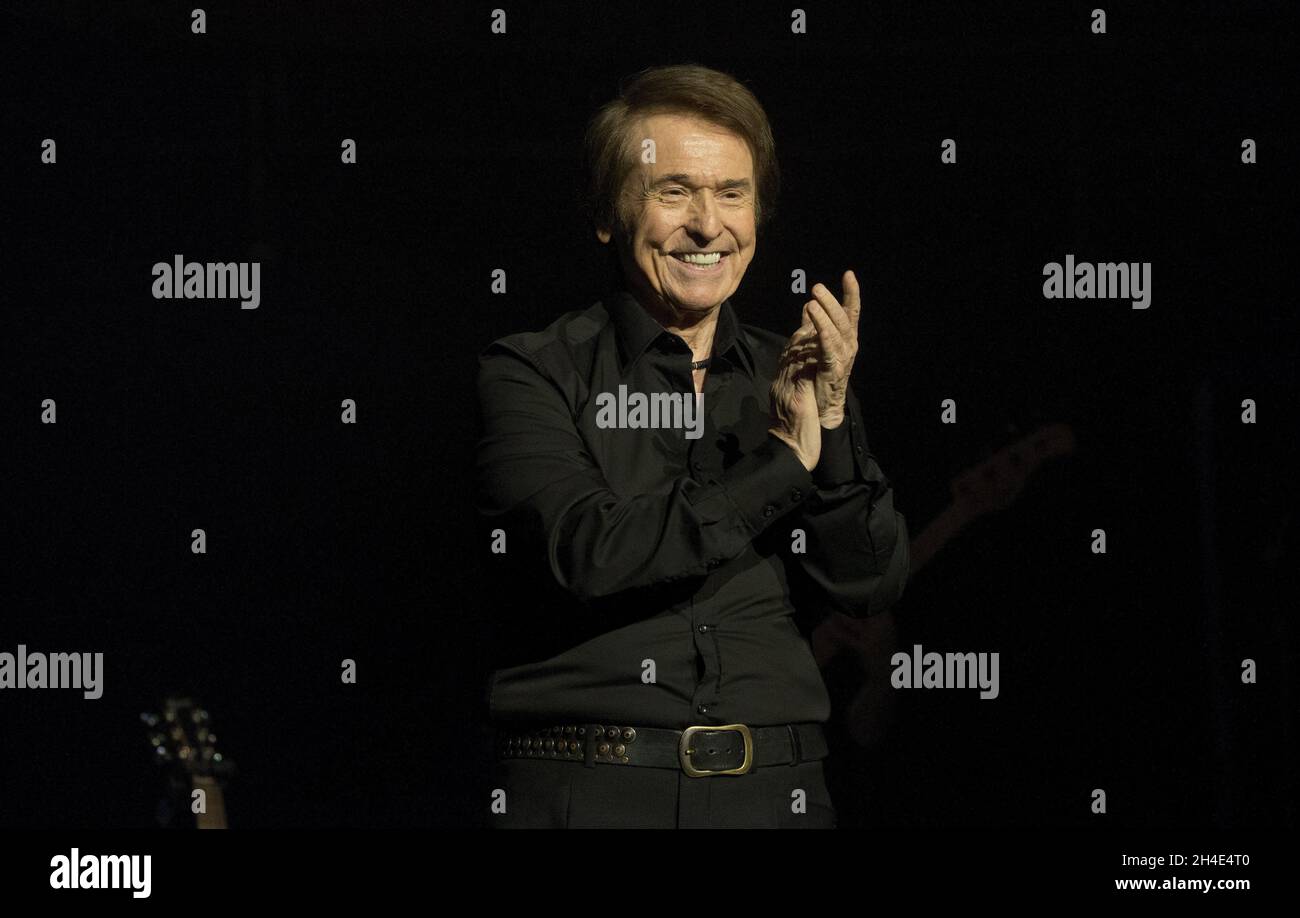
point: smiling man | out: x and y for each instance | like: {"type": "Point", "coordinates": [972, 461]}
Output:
{"type": "Point", "coordinates": [696, 231]}
{"type": "Point", "coordinates": [655, 673]}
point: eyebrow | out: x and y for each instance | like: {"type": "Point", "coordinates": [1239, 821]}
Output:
{"type": "Point", "coordinates": [685, 179]}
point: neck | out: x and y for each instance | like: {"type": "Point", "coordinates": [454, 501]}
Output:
{"type": "Point", "coordinates": [695, 328]}
{"type": "Point", "coordinates": [215, 817]}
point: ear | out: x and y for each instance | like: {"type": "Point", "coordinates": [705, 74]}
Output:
{"type": "Point", "coordinates": [603, 234]}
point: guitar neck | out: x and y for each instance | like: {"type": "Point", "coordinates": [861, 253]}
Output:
{"type": "Point", "coordinates": [942, 528]}
{"type": "Point", "coordinates": [215, 817]}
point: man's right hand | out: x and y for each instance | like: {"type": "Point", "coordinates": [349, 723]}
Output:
{"type": "Point", "coordinates": [795, 421]}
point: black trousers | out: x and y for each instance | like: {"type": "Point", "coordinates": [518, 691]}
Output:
{"type": "Point", "coordinates": [542, 794]}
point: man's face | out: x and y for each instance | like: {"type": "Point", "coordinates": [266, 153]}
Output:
{"type": "Point", "coordinates": [697, 197]}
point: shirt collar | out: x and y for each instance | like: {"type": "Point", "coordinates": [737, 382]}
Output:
{"type": "Point", "coordinates": [636, 329]}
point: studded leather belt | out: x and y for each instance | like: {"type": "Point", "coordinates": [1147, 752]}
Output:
{"type": "Point", "coordinates": [723, 749]}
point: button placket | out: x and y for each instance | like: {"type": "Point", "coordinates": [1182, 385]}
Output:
{"type": "Point", "coordinates": [699, 461]}
{"type": "Point", "coordinates": [705, 640]}
{"type": "Point", "coordinates": [860, 454]}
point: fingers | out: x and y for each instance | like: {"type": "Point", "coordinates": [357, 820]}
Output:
{"type": "Point", "coordinates": [801, 353]}
{"type": "Point", "coordinates": [804, 331]}
{"type": "Point", "coordinates": [803, 337]}
{"type": "Point", "coordinates": [837, 326]}
{"type": "Point", "coordinates": [796, 367]}
{"type": "Point", "coordinates": [833, 309]}
{"type": "Point", "coordinates": [795, 362]}
{"type": "Point", "coordinates": [852, 298]}
{"type": "Point", "coordinates": [844, 318]}
{"type": "Point", "coordinates": [832, 340]}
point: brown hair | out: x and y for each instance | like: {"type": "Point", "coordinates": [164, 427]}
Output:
{"type": "Point", "coordinates": [688, 89]}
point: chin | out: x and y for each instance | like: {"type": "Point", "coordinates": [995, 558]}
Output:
{"type": "Point", "coordinates": [699, 302]}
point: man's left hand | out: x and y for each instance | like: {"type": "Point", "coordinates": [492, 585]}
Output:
{"type": "Point", "coordinates": [830, 331]}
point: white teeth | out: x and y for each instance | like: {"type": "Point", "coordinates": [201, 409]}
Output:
{"type": "Point", "coordinates": [712, 258]}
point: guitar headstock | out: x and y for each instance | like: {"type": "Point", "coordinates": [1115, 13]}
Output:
{"type": "Point", "coordinates": [183, 741]}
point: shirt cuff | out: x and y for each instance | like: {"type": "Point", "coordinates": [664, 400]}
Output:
{"type": "Point", "coordinates": [835, 466]}
{"type": "Point", "coordinates": [767, 484]}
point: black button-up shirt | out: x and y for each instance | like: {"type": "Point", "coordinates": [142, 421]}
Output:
{"type": "Point", "coordinates": [657, 579]}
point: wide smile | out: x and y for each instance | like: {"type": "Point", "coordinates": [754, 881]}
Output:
{"type": "Point", "coordinates": [700, 263]}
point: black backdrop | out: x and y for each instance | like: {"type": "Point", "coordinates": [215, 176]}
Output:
{"type": "Point", "coordinates": [328, 541]}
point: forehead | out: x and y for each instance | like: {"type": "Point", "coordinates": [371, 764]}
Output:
{"type": "Point", "coordinates": [688, 143]}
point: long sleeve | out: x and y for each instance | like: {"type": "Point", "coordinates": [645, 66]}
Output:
{"type": "Point", "coordinates": [535, 471]}
{"type": "Point", "coordinates": [857, 543]}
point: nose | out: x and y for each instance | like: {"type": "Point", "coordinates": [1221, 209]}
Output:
{"type": "Point", "coordinates": [703, 220]}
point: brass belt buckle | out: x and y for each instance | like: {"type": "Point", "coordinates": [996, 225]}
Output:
{"type": "Point", "coordinates": [684, 751]}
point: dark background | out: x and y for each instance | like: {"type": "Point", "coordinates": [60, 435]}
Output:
{"type": "Point", "coordinates": [327, 541]}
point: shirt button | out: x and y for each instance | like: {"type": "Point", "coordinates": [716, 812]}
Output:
{"type": "Point", "coordinates": [713, 563]}
{"type": "Point", "coordinates": [703, 628]}
{"type": "Point", "coordinates": [697, 465]}
{"type": "Point", "coordinates": [859, 450]}
{"type": "Point", "coordinates": [703, 708]}
{"type": "Point", "coordinates": [796, 494]}
{"type": "Point", "coordinates": [769, 510]}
